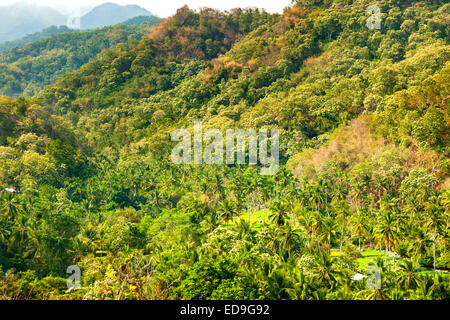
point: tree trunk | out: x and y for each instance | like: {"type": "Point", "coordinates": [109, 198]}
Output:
{"type": "Point", "coordinates": [385, 254]}
{"type": "Point", "coordinates": [434, 251]}
{"type": "Point", "coordinates": [342, 236]}
{"type": "Point", "coordinates": [329, 245]}
{"type": "Point", "coordinates": [276, 190]}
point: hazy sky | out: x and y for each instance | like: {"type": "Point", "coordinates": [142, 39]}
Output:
{"type": "Point", "coordinates": [164, 8]}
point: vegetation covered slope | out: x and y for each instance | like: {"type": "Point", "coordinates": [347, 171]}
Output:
{"type": "Point", "coordinates": [363, 119]}
{"type": "Point", "coordinates": [53, 30]}
{"type": "Point", "coordinates": [24, 71]}
{"type": "Point", "coordinates": [46, 33]}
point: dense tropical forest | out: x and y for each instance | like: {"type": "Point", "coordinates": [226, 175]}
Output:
{"type": "Point", "coordinates": [36, 36]}
{"type": "Point", "coordinates": [363, 119]}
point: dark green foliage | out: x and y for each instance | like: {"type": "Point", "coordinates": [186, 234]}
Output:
{"type": "Point", "coordinates": [363, 119]}
{"type": "Point", "coordinates": [37, 36]}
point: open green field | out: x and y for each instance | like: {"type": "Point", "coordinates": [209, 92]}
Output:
{"type": "Point", "coordinates": [370, 256]}
{"type": "Point", "coordinates": [258, 218]}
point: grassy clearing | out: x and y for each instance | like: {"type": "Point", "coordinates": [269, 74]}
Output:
{"type": "Point", "coordinates": [259, 218]}
{"type": "Point", "coordinates": [370, 256]}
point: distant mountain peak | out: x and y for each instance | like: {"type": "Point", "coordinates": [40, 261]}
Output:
{"type": "Point", "coordinates": [110, 13]}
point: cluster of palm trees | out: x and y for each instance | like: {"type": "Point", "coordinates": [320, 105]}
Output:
{"type": "Point", "coordinates": [327, 279]}
{"type": "Point", "coordinates": [308, 216]}
{"type": "Point", "coordinates": [333, 213]}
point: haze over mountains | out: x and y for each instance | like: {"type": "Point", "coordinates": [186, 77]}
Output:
{"type": "Point", "coordinates": [110, 13]}
{"type": "Point", "coordinates": [19, 20]}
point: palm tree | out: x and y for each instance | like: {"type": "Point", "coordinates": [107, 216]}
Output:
{"type": "Point", "coordinates": [317, 198]}
{"type": "Point", "coordinates": [212, 220]}
{"type": "Point", "coordinates": [329, 230]}
{"type": "Point", "coordinates": [434, 222]}
{"type": "Point", "coordinates": [342, 211]}
{"type": "Point", "coordinates": [9, 206]}
{"type": "Point", "coordinates": [357, 192]}
{"type": "Point", "coordinates": [398, 214]}
{"type": "Point", "coordinates": [244, 228]}
{"type": "Point", "coordinates": [248, 188]}
{"type": "Point", "coordinates": [408, 278]}
{"type": "Point", "coordinates": [291, 237]}
{"type": "Point", "coordinates": [324, 269]}
{"type": "Point", "coordinates": [279, 213]}
{"type": "Point", "coordinates": [378, 291]}
{"type": "Point", "coordinates": [386, 230]}
{"type": "Point", "coordinates": [359, 225]}
{"type": "Point", "coordinates": [301, 287]}
{"type": "Point", "coordinates": [306, 221]}
{"type": "Point", "coordinates": [21, 226]}
{"type": "Point", "coordinates": [4, 230]}
{"type": "Point", "coordinates": [317, 226]}
{"type": "Point", "coordinates": [425, 288]}
{"type": "Point", "coordinates": [278, 285]}
{"type": "Point", "coordinates": [292, 191]}
{"type": "Point", "coordinates": [339, 192]}
{"type": "Point", "coordinates": [419, 244]}
{"type": "Point", "coordinates": [227, 210]}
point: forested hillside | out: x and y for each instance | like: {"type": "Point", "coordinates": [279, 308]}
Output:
{"type": "Point", "coordinates": [24, 71]}
{"type": "Point", "coordinates": [54, 30]}
{"type": "Point", "coordinates": [363, 116]}
{"type": "Point", "coordinates": [46, 33]}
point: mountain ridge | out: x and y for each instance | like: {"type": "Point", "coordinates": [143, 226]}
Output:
{"type": "Point", "coordinates": [27, 69]}
{"type": "Point", "coordinates": [21, 20]}
{"type": "Point", "coordinates": [110, 13]}
{"type": "Point", "coordinates": [18, 20]}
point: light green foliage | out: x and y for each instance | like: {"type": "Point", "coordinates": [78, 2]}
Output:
{"type": "Point", "coordinates": [86, 176]}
